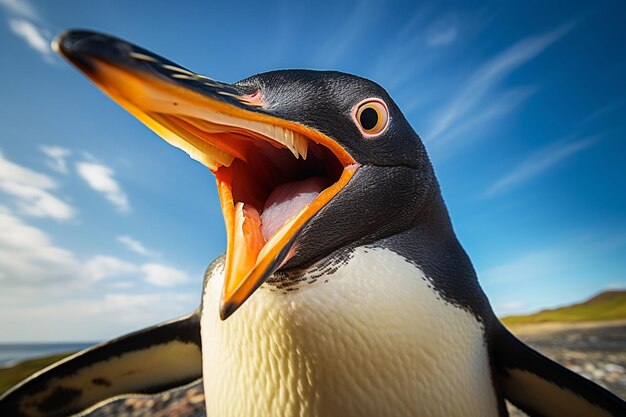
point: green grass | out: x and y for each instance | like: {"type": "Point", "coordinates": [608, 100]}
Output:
{"type": "Point", "coordinates": [14, 374]}
{"type": "Point", "coordinates": [606, 306]}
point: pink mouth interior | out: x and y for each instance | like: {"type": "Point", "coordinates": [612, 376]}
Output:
{"type": "Point", "coordinates": [286, 201]}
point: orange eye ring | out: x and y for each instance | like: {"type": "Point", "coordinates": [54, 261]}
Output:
{"type": "Point", "coordinates": [371, 117]}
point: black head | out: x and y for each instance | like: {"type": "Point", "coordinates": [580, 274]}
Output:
{"type": "Point", "coordinates": [395, 174]}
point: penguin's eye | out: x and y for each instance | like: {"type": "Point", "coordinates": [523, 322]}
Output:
{"type": "Point", "coordinates": [371, 117]}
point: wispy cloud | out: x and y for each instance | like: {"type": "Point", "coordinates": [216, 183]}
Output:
{"type": "Point", "coordinates": [395, 64]}
{"type": "Point", "coordinates": [615, 285]}
{"type": "Point", "coordinates": [559, 259]}
{"type": "Point", "coordinates": [347, 35]}
{"type": "Point", "coordinates": [539, 162]}
{"type": "Point", "coordinates": [136, 246]}
{"type": "Point", "coordinates": [56, 157]}
{"type": "Point", "coordinates": [484, 80]}
{"type": "Point", "coordinates": [89, 317]}
{"type": "Point", "coordinates": [162, 275]}
{"type": "Point", "coordinates": [442, 32]}
{"type": "Point", "coordinates": [601, 112]}
{"type": "Point", "coordinates": [524, 268]}
{"type": "Point", "coordinates": [30, 262]}
{"type": "Point", "coordinates": [21, 8]}
{"type": "Point", "coordinates": [31, 191]}
{"type": "Point", "coordinates": [38, 39]}
{"type": "Point", "coordinates": [508, 307]}
{"type": "Point", "coordinates": [29, 259]}
{"type": "Point", "coordinates": [576, 264]}
{"type": "Point", "coordinates": [495, 108]}
{"type": "Point", "coordinates": [101, 267]}
{"type": "Point", "coordinates": [101, 178]}
{"type": "Point", "coordinates": [442, 37]}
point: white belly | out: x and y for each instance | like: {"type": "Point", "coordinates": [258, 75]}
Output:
{"type": "Point", "coordinates": [372, 339]}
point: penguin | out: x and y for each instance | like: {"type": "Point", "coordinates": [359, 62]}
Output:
{"type": "Point", "coordinates": [343, 290]}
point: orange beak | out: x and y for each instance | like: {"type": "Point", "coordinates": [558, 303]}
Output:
{"type": "Point", "coordinates": [261, 162]}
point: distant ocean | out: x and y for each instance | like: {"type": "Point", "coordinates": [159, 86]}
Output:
{"type": "Point", "coordinates": [11, 354]}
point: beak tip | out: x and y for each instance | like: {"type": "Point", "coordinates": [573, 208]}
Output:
{"type": "Point", "coordinates": [65, 42]}
{"type": "Point", "coordinates": [227, 309]}
{"type": "Point", "coordinates": [56, 43]}
{"type": "Point", "coordinates": [71, 46]}
{"type": "Point", "coordinates": [81, 46]}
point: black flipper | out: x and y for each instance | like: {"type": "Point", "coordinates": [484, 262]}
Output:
{"type": "Point", "coordinates": [152, 360]}
{"type": "Point", "coordinates": [543, 388]}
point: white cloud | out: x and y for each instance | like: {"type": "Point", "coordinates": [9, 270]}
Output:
{"type": "Point", "coordinates": [30, 260]}
{"type": "Point", "coordinates": [100, 178]}
{"type": "Point", "coordinates": [37, 202]}
{"type": "Point", "coordinates": [21, 8]}
{"type": "Point", "coordinates": [56, 157]}
{"type": "Point", "coordinates": [48, 293]}
{"type": "Point", "coordinates": [10, 171]}
{"type": "Point", "coordinates": [122, 285]}
{"type": "Point", "coordinates": [31, 191]}
{"type": "Point", "coordinates": [136, 246]}
{"type": "Point", "coordinates": [162, 275]}
{"type": "Point", "coordinates": [90, 318]}
{"type": "Point", "coordinates": [539, 162]}
{"type": "Point", "coordinates": [484, 80]}
{"type": "Point", "coordinates": [34, 37]}
{"type": "Point", "coordinates": [100, 267]}
{"type": "Point", "coordinates": [509, 307]}
{"type": "Point", "coordinates": [615, 285]}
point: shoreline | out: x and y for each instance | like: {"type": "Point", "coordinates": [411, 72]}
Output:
{"type": "Point", "coordinates": [530, 329]}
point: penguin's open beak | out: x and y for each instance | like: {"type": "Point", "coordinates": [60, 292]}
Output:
{"type": "Point", "coordinates": [273, 175]}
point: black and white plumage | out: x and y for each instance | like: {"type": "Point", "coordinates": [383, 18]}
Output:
{"type": "Point", "coordinates": [362, 301]}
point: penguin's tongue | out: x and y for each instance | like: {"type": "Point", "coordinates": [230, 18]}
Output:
{"type": "Point", "coordinates": [286, 202]}
{"type": "Point", "coordinates": [257, 232]}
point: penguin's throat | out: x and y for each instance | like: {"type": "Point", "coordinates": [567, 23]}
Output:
{"type": "Point", "coordinates": [265, 194]}
{"type": "Point", "coordinates": [286, 202]}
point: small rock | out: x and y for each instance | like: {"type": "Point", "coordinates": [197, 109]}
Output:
{"type": "Point", "coordinates": [575, 368]}
{"type": "Point", "coordinates": [611, 367]}
{"type": "Point", "coordinates": [138, 404]}
{"type": "Point", "coordinates": [613, 377]}
{"type": "Point", "coordinates": [598, 373]}
{"type": "Point", "coordinates": [588, 367]}
{"type": "Point", "coordinates": [197, 399]}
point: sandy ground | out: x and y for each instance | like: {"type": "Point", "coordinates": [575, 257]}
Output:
{"type": "Point", "coordinates": [595, 350]}
{"type": "Point", "coordinates": [536, 330]}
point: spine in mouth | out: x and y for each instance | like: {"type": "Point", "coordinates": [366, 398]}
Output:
{"type": "Point", "coordinates": [287, 201]}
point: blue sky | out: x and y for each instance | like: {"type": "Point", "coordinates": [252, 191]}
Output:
{"type": "Point", "coordinates": [105, 228]}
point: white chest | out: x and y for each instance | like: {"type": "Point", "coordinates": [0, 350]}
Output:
{"type": "Point", "coordinates": [372, 339]}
